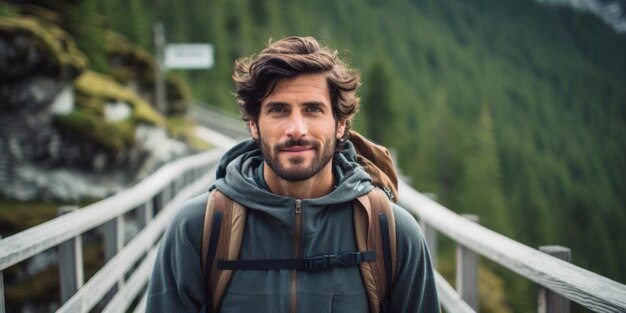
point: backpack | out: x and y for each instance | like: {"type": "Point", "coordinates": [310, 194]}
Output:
{"type": "Point", "coordinates": [374, 226]}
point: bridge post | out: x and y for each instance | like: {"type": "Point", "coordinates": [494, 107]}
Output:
{"type": "Point", "coordinates": [70, 262]}
{"type": "Point", "coordinates": [2, 305]}
{"type": "Point", "coordinates": [467, 271]}
{"type": "Point", "coordinates": [113, 237]}
{"type": "Point", "coordinates": [549, 301]}
{"type": "Point", "coordinates": [145, 213]}
{"type": "Point", "coordinates": [430, 234]}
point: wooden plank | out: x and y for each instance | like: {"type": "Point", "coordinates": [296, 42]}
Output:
{"type": "Point", "coordinates": [141, 306]}
{"type": "Point", "coordinates": [71, 273]}
{"type": "Point", "coordinates": [97, 287]}
{"type": "Point", "coordinates": [145, 214]}
{"type": "Point", "coordinates": [549, 301]}
{"type": "Point", "coordinates": [2, 304]}
{"type": "Point", "coordinates": [467, 271]}
{"type": "Point", "coordinates": [113, 237]}
{"type": "Point", "coordinates": [449, 298]}
{"type": "Point", "coordinates": [127, 294]}
{"type": "Point", "coordinates": [589, 289]}
{"type": "Point", "coordinates": [32, 241]}
{"type": "Point", "coordinates": [430, 236]}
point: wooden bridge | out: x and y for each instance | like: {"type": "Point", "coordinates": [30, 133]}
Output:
{"type": "Point", "coordinates": [120, 285]}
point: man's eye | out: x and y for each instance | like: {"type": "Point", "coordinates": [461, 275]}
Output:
{"type": "Point", "coordinates": [276, 109]}
{"type": "Point", "coordinates": [314, 109]}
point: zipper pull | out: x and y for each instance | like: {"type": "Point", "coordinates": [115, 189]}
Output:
{"type": "Point", "coordinates": [298, 206]}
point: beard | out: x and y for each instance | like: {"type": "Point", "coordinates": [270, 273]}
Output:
{"type": "Point", "coordinates": [298, 173]}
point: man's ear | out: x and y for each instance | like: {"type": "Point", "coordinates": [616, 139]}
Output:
{"type": "Point", "coordinates": [341, 128]}
{"type": "Point", "coordinates": [254, 131]}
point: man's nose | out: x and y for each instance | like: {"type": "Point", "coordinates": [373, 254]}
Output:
{"type": "Point", "coordinates": [297, 127]}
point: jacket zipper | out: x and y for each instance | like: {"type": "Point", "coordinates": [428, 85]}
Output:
{"type": "Point", "coordinates": [296, 251]}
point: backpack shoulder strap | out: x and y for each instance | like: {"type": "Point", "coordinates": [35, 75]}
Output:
{"type": "Point", "coordinates": [222, 235]}
{"type": "Point", "coordinates": [375, 230]}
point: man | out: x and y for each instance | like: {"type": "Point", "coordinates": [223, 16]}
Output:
{"type": "Point", "coordinates": [297, 178]}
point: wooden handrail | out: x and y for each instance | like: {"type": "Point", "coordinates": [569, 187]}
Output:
{"type": "Point", "coordinates": [25, 244]}
{"type": "Point", "coordinates": [589, 289]}
{"type": "Point", "coordinates": [97, 287]}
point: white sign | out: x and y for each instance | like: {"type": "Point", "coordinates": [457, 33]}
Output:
{"type": "Point", "coordinates": [189, 56]}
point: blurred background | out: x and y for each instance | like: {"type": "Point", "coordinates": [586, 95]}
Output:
{"type": "Point", "coordinates": [514, 110]}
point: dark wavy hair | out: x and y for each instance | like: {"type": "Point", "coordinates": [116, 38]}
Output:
{"type": "Point", "coordinates": [256, 77]}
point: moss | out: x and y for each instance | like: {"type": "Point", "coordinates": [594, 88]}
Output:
{"type": "Point", "coordinates": [92, 92]}
{"type": "Point", "coordinates": [42, 13]}
{"type": "Point", "coordinates": [115, 136]}
{"type": "Point", "coordinates": [129, 60]}
{"type": "Point", "coordinates": [178, 95]}
{"type": "Point", "coordinates": [182, 128]}
{"type": "Point", "coordinates": [49, 38]}
{"type": "Point", "coordinates": [177, 88]}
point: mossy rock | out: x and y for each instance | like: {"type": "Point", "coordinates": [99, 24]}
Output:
{"type": "Point", "coordinates": [115, 136]}
{"type": "Point", "coordinates": [131, 62]}
{"type": "Point", "coordinates": [178, 95]}
{"type": "Point", "coordinates": [65, 60]}
{"type": "Point", "coordinates": [92, 92]}
{"type": "Point", "coordinates": [128, 60]}
{"type": "Point", "coordinates": [41, 13]}
{"type": "Point", "coordinates": [98, 89]}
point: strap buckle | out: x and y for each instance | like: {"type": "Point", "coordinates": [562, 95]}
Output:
{"type": "Point", "coordinates": [326, 261]}
{"type": "Point", "coordinates": [317, 263]}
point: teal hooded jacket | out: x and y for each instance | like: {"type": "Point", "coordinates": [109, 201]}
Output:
{"type": "Point", "coordinates": [177, 283]}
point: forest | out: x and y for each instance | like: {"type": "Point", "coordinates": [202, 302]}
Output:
{"type": "Point", "coordinates": [508, 109]}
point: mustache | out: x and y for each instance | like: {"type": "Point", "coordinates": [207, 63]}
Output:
{"type": "Point", "coordinates": [297, 142]}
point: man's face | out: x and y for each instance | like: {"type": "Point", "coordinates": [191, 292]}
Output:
{"type": "Point", "coordinates": [296, 128]}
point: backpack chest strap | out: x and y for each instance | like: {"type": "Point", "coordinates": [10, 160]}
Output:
{"type": "Point", "coordinates": [310, 264]}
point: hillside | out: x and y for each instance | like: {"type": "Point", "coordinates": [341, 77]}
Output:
{"type": "Point", "coordinates": [509, 109]}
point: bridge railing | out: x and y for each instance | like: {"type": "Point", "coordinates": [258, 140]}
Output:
{"type": "Point", "coordinates": [128, 266]}
{"type": "Point", "coordinates": [597, 293]}
{"type": "Point", "coordinates": [557, 278]}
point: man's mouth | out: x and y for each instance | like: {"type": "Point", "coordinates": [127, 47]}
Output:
{"type": "Point", "coordinates": [296, 148]}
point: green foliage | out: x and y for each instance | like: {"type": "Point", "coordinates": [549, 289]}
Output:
{"type": "Point", "coordinates": [483, 178]}
{"type": "Point", "coordinates": [8, 10]}
{"type": "Point", "coordinates": [378, 102]}
{"type": "Point", "coordinates": [509, 109]}
{"type": "Point", "coordinates": [48, 38]}
{"type": "Point", "coordinates": [84, 23]}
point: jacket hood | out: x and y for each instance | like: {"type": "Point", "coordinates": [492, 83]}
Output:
{"type": "Point", "coordinates": [237, 177]}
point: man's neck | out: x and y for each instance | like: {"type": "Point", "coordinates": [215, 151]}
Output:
{"type": "Point", "coordinates": [315, 187]}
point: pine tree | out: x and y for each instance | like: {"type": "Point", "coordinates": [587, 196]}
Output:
{"type": "Point", "coordinates": [483, 179]}
{"type": "Point", "coordinates": [377, 104]}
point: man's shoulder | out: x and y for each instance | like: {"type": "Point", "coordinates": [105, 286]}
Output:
{"type": "Point", "coordinates": [189, 218]}
{"type": "Point", "coordinates": [406, 224]}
